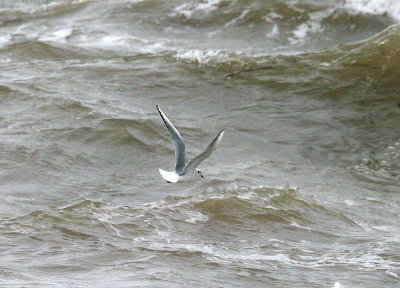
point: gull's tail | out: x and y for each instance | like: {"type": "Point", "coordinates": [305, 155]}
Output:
{"type": "Point", "coordinates": [170, 177]}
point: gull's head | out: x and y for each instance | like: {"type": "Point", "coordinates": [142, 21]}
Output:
{"type": "Point", "coordinates": [198, 173]}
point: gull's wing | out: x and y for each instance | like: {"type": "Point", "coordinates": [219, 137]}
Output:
{"type": "Point", "coordinates": [178, 143]}
{"type": "Point", "coordinates": [201, 157]}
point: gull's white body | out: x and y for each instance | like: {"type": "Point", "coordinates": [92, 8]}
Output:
{"type": "Point", "coordinates": [170, 176]}
{"type": "Point", "coordinates": [182, 170]}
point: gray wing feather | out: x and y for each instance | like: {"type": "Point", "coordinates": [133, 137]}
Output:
{"type": "Point", "coordinates": [201, 157]}
{"type": "Point", "coordinates": [179, 145]}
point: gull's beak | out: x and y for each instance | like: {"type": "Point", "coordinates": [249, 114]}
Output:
{"type": "Point", "coordinates": [201, 175]}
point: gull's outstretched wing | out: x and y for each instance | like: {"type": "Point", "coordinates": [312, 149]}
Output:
{"type": "Point", "coordinates": [201, 157]}
{"type": "Point", "coordinates": [178, 143]}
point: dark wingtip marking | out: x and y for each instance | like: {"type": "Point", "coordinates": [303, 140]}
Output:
{"type": "Point", "coordinates": [162, 117]}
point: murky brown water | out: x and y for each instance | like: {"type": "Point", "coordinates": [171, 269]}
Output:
{"type": "Point", "coordinates": [302, 192]}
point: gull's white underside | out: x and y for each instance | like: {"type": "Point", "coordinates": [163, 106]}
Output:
{"type": "Point", "coordinates": [180, 168]}
{"type": "Point", "coordinates": [170, 177]}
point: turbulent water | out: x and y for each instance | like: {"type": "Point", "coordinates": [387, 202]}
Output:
{"type": "Point", "coordinates": [302, 192]}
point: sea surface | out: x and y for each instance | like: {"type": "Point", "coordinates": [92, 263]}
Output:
{"type": "Point", "coordinates": [303, 191]}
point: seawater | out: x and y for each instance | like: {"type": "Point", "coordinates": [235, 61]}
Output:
{"type": "Point", "coordinates": [302, 192]}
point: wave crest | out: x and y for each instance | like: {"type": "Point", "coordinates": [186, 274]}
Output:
{"type": "Point", "coordinates": [242, 205]}
{"type": "Point", "coordinates": [216, 59]}
{"type": "Point", "coordinates": [377, 7]}
{"type": "Point", "coordinates": [379, 56]}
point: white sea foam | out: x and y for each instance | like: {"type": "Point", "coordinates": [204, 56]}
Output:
{"type": "Point", "coordinates": [365, 226]}
{"type": "Point", "coordinates": [199, 56]}
{"type": "Point", "coordinates": [272, 16]}
{"type": "Point", "coordinates": [241, 16]}
{"type": "Point", "coordinates": [187, 10]}
{"type": "Point", "coordinates": [313, 25]}
{"type": "Point", "coordinates": [393, 274]}
{"type": "Point", "coordinates": [338, 285]}
{"type": "Point", "coordinates": [5, 60]}
{"type": "Point", "coordinates": [295, 224]}
{"type": "Point", "coordinates": [383, 228]}
{"type": "Point", "coordinates": [301, 31]}
{"type": "Point", "coordinates": [274, 31]}
{"type": "Point", "coordinates": [212, 58]}
{"type": "Point", "coordinates": [116, 40]}
{"type": "Point", "coordinates": [247, 196]}
{"type": "Point", "coordinates": [377, 7]}
{"type": "Point", "coordinates": [32, 8]}
{"type": "Point", "coordinates": [122, 43]}
{"type": "Point", "coordinates": [195, 217]}
{"type": "Point", "coordinates": [184, 10]}
{"type": "Point", "coordinates": [4, 39]}
{"type": "Point", "coordinates": [57, 36]}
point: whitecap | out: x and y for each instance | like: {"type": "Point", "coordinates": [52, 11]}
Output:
{"type": "Point", "coordinates": [4, 39]}
{"type": "Point", "coordinates": [383, 228]}
{"type": "Point", "coordinates": [274, 31]}
{"type": "Point", "coordinates": [23, 7]}
{"type": "Point", "coordinates": [187, 10]}
{"type": "Point", "coordinates": [302, 30]}
{"type": "Point", "coordinates": [241, 16]}
{"type": "Point", "coordinates": [295, 224]}
{"type": "Point", "coordinates": [57, 36]}
{"type": "Point", "coordinates": [393, 274]}
{"type": "Point", "coordinates": [184, 10]}
{"type": "Point", "coordinates": [196, 217]}
{"type": "Point", "coordinates": [270, 17]}
{"type": "Point", "coordinates": [211, 58]}
{"type": "Point", "coordinates": [338, 285]}
{"type": "Point", "coordinates": [376, 7]}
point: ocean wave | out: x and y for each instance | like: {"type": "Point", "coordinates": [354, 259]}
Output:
{"type": "Point", "coordinates": [278, 26]}
{"type": "Point", "coordinates": [378, 56]}
{"type": "Point", "coordinates": [382, 167]}
{"type": "Point", "coordinates": [244, 205]}
{"type": "Point", "coordinates": [241, 205]}
{"type": "Point", "coordinates": [287, 23]}
{"type": "Point", "coordinates": [27, 7]}
{"type": "Point", "coordinates": [259, 215]}
{"type": "Point", "coordinates": [75, 221]}
{"type": "Point", "coordinates": [139, 133]}
{"type": "Point", "coordinates": [243, 12]}
{"type": "Point", "coordinates": [216, 59]}
{"type": "Point", "coordinates": [33, 49]}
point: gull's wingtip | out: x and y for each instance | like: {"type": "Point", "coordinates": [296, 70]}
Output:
{"type": "Point", "coordinates": [219, 137]}
{"type": "Point", "coordinates": [160, 112]}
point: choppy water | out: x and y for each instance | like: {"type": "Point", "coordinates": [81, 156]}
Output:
{"type": "Point", "coordinates": [303, 191]}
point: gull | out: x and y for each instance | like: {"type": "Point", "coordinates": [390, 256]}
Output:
{"type": "Point", "coordinates": [182, 170]}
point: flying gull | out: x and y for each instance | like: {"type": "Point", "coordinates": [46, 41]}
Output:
{"type": "Point", "coordinates": [182, 170]}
